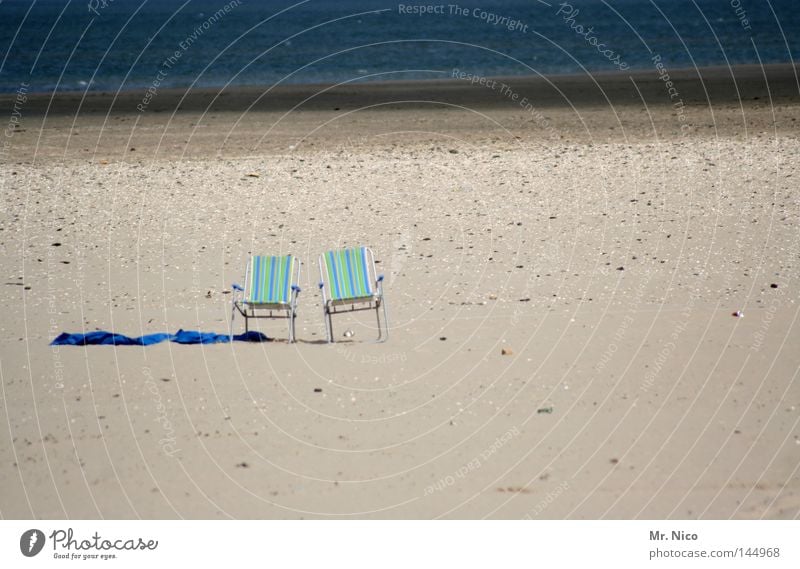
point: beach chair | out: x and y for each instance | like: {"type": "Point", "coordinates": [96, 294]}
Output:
{"type": "Point", "coordinates": [270, 290]}
{"type": "Point", "coordinates": [348, 283]}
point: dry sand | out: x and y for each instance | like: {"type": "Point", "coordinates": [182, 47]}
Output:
{"type": "Point", "coordinates": [603, 246]}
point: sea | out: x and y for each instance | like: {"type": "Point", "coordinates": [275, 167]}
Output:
{"type": "Point", "coordinates": [113, 45]}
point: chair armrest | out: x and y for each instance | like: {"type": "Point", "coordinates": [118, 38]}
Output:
{"type": "Point", "coordinates": [296, 289]}
{"type": "Point", "coordinates": [237, 293]}
{"type": "Point", "coordinates": [379, 284]}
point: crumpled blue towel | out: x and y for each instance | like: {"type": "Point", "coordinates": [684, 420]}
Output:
{"type": "Point", "coordinates": [103, 338]}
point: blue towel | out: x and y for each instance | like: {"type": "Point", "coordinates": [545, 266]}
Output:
{"type": "Point", "coordinates": [101, 337]}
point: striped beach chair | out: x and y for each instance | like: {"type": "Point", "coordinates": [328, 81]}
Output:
{"type": "Point", "coordinates": [349, 283]}
{"type": "Point", "coordinates": [270, 290]}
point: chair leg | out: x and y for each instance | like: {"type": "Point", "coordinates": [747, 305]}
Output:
{"type": "Point", "coordinates": [382, 337]}
{"type": "Point", "coordinates": [328, 324]}
{"type": "Point", "coordinates": [385, 319]}
{"type": "Point", "coordinates": [291, 326]}
{"type": "Point", "coordinates": [378, 318]}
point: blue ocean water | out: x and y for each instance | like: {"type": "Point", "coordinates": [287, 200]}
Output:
{"type": "Point", "coordinates": [131, 44]}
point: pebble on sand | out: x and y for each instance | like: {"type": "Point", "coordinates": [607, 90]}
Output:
{"type": "Point", "coordinates": [506, 352]}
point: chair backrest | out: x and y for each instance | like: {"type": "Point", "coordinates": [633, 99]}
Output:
{"type": "Point", "coordinates": [349, 273]}
{"type": "Point", "coordinates": [269, 279]}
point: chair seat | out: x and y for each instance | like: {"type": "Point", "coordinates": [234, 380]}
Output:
{"type": "Point", "coordinates": [267, 305]}
{"type": "Point", "coordinates": [357, 300]}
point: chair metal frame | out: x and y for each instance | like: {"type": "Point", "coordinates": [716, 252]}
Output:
{"type": "Point", "coordinates": [376, 301]}
{"type": "Point", "coordinates": [274, 310]}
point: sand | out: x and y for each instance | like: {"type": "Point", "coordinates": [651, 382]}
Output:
{"type": "Point", "coordinates": [602, 244]}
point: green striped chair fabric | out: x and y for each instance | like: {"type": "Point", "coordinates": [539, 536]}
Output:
{"type": "Point", "coordinates": [348, 274]}
{"type": "Point", "coordinates": [269, 280]}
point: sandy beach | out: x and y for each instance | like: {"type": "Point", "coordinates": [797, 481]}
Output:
{"type": "Point", "coordinates": [563, 259]}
